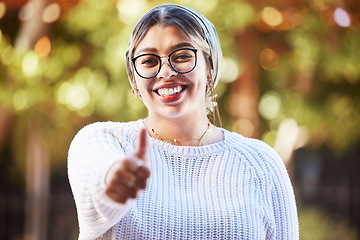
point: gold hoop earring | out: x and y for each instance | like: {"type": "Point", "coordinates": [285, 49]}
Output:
{"type": "Point", "coordinates": [214, 105]}
{"type": "Point", "coordinates": [136, 92]}
{"type": "Point", "coordinates": [211, 91]}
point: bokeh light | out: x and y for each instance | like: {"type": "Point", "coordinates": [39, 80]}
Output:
{"type": "Point", "coordinates": [341, 17]}
{"type": "Point", "coordinates": [286, 138]}
{"type": "Point", "coordinates": [30, 64]}
{"type": "Point", "coordinates": [130, 10]}
{"type": "Point", "coordinates": [271, 16]}
{"type": "Point", "coordinates": [7, 56]}
{"type": "Point", "coordinates": [244, 127]}
{"type": "Point", "coordinates": [269, 105]}
{"type": "Point", "coordinates": [21, 100]}
{"type": "Point", "coordinates": [2, 10]}
{"type": "Point", "coordinates": [27, 11]}
{"type": "Point", "coordinates": [51, 13]}
{"type": "Point", "coordinates": [74, 96]}
{"type": "Point", "coordinates": [269, 137]}
{"type": "Point", "coordinates": [230, 70]}
{"type": "Point", "coordinates": [43, 47]}
{"type": "Point", "coordinates": [290, 136]}
{"type": "Point", "coordinates": [78, 97]}
{"type": "Point", "coordinates": [268, 59]}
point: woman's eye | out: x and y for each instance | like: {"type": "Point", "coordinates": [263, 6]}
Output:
{"type": "Point", "coordinates": [182, 57]}
{"type": "Point", "coordinates": [150, 61]}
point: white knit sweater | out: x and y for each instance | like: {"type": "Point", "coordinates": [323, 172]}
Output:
{"type": "Point", "coordinates": [234, 189]}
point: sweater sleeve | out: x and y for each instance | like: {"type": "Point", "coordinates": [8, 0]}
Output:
{"type": "Point", "coordinates": [92, 152]}
{"type": "Point", "coordinates": [281, 197]}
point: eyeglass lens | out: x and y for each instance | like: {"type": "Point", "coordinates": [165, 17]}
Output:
{"type": "Point", "coordinates": [181, 61]}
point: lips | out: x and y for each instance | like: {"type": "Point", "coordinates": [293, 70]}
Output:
{"type": "Point", "coordinates": [170, 93]}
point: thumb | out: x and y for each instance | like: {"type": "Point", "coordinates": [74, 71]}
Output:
{"type": "Point", "coordinates": [142, 145]}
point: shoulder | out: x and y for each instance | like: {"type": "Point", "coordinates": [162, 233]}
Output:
{"type": "Point", "coordinates": [258, 153]}
{"type": "Point", "coordinates": [249, 145]}
{"type": "Point", "coordinates": [97, 129]}
{"type": "Point", "coordinates": [264, 161]}
{"type": "Point", "coordinates": [100, 133]}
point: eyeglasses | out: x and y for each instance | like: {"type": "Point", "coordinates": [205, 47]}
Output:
{"type": "Point", "coordinates": [181, 61]}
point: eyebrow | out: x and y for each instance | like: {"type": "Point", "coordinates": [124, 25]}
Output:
{"type": "Point", "coordinates": [154, 50]}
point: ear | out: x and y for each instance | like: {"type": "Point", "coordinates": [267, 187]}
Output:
{"type": "Point", "coordinates": [134, 89]}
{"type": "Point", "coordinates": [135, 92]}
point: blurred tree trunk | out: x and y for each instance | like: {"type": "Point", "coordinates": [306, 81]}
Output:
{"type": "Point", "coordinates": [37, 183]}
{"type": "Point", "coordinates": [34, 28]}
{"type": "Point", "coordinates": [37, 160]}
{"type": "Point", "coordinates": [245, 90]}
{"type": "Point", "coordinates": [6, 122]}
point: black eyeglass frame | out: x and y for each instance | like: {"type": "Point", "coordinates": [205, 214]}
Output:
{"type": "Point", "coordinates": [168, 56]}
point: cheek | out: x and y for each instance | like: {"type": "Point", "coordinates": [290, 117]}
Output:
{"type": "Point", "coordinates": [202, 74]}
{"type": "Point", "coordinates": [143, 85]}
{"type": "Point", "coordinates": [139, 83]}
{"type": "Point", "coordinates": [204, 67]}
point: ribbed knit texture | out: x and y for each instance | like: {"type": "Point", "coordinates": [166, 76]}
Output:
{"type": "Point", "coordinates": [234, 189]}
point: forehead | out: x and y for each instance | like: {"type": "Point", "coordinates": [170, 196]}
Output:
{"type": "Point", "coordinates": [162, 39]}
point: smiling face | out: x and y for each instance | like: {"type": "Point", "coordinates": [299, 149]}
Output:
{"type": "Point", "coordinates": [171, 94]}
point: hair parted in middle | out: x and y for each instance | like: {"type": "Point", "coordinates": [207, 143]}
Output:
{"type": "Point", "coordinates": [167, 15]}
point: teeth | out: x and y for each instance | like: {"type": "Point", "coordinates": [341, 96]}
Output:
{"type": "Point", "coordinates": [166, 92]}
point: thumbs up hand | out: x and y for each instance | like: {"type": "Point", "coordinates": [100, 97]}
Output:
{"type": "Point", "coordinates": [126, 177]}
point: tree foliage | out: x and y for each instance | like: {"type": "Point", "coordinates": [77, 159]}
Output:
{"type": "Point", "coordinates": [309, 71]}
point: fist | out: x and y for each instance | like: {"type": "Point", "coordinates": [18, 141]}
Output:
{"type": "Point", "coordinates": [126, 177]}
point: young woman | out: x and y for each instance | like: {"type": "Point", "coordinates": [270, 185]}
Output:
{"type": "Point", "coordinates": [174, 175]}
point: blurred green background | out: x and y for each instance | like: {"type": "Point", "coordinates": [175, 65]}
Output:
{"type": "Point", "coordinates": [291, 77]}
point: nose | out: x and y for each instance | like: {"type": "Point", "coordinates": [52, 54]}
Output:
{"type": "Point", "coordinates": [166, 71]}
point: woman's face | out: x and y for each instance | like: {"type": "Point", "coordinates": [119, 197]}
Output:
{"type": "Point", "coordinates": [170, 94]}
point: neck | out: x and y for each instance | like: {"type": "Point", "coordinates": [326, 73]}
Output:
{"type": "Point", "coordinates": [186, 131]}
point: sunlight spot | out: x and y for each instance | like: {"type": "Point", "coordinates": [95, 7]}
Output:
{"type": "Point", "coordinates": [61, 91]}
{"type": "Point", "coordinates": [21, 100]}
{"type": "Point", "coordinates": [269, 106]}
{"type": "Point", "coordinates": [27, 11]}
{"type": "Point", "coordinates": [43, 47]}
{"type": "Point", "coordinates": [341, 17]}
{"type": "Point", "coordinates": [290, 137]}
{"type": "Point", "coordinates": [130, 10]}
{"type": "Point", "coordinates": [30, 64]}
{"type": "Point", "coordinates": [51, 13]}
{"type": "Point", "coordinates": [77, 97]}
{"type": "Point", "coordinates": [74, 96]}
{"type": "Point", "coordinates": [269, 137]}
{"type": "Point", "coordinates": [244, 127]}
{"type": "Point", "coordinates": [2, 10]}
{"type": "Point", "coordinates": [268, 59]}
{"type": "Point", "coordinates": [8, 56]}
{"type": "Point", "coordinates": [271, 16]}
{"type": "Point", "coordinates": [230, 70]}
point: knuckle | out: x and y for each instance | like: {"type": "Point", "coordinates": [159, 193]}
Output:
{"type": "Point", "coordinates": [118, 173]}
{"type": "Point", "coordinates": [141, 184]}
{"type": "Point", "coordinates": [107, 192]}
{"type": "Point", "coordinates": [133, 195]}
{"type": "Point", "coordinates": [144, 173]}
{"type": "Point", "coordinates": [124, 163]}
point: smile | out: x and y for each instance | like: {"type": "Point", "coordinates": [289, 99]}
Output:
{"type": "Point", "coordinates": [171, 93]}
{"type": "Point", "coordinates": [167, 92]}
